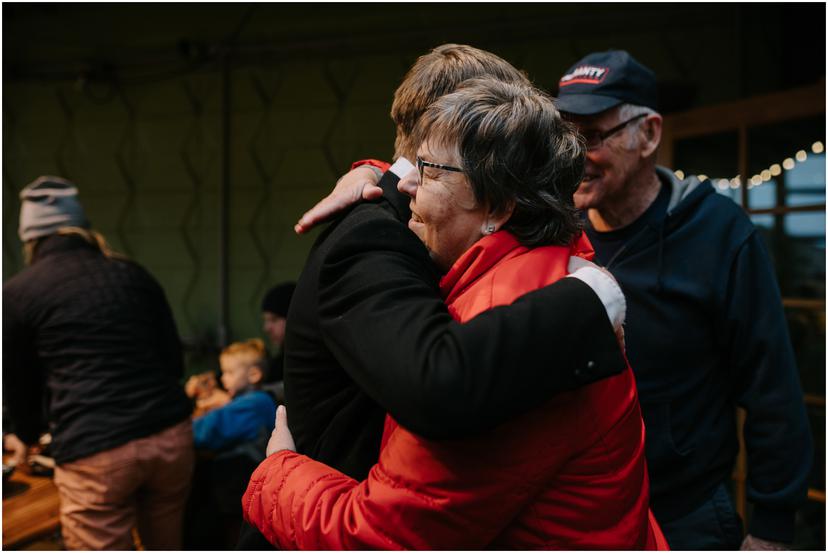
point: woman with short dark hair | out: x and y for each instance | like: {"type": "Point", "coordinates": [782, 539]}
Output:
{"type": "Point", "coordinates": [492, 201]}
{"type": "Point", "coordinates": [521, 160]}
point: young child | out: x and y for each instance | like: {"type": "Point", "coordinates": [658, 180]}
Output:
{"type": "Point", "coordinates": [243, 367]}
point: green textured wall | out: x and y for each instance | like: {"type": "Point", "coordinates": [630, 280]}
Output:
{"type": "Point", "coordinates": [311, 88]}
{"type": "Point", "coordinates": [148, 164]}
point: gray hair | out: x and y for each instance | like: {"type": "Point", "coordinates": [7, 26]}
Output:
{"type": "Point", "coordinates": [516, 150]}
{"type": "Point", "coordinates": [628, 111]}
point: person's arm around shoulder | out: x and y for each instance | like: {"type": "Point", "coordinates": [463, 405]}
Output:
{"type": "Point", "coordinates": [384, 321]}
{"type": "Point", "coordinates": [23, 383]}
{"type": "Point", "coordinates": [358, 184]}
{"type": "Point", "coordinates": [606, 287]}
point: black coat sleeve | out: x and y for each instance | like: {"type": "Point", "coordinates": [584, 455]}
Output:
{"type": "Point", "coordinates": [168, 341]}
{"type": "Point", "coordinates": [777, 434]}
{"type": "Point", "coordinates": [23, 383]}
{"type": "Point", "coordinates": [382, 317]}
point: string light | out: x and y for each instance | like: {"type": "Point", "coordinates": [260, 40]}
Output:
{"type": "Point", "coordinates": [766, 175]}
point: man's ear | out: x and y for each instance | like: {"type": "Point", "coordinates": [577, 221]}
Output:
{"type": "Point", "coordinates": [254, 375]}
{"type": "Point", "coordinates": [651, 133]}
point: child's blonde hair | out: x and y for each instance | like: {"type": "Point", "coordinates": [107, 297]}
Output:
{"type": "Point", "coordinates": [251, 351]}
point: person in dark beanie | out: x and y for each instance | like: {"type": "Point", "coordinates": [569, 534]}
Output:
{"type": "Point", "coordinates": [93, 332]}
{"type": "Point", "coordinates": [274, 316]}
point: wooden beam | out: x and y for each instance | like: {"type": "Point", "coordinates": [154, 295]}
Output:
{"type": "Point", "coordinates": [744, 153]}
{"type": "Point", "coordinates": [740, 469]}
{"type": "Point", "coordinates": [816, 495]}
{"type": "Point", "coordinates": [815, 400]}
{"type": "Point", "coordinates": [758, 110]}
{"type": "Point", "coordinates": [785, 209]}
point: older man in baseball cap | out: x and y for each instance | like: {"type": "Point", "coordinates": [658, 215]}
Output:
{"type": "Point", "coordinates": [705, 330]}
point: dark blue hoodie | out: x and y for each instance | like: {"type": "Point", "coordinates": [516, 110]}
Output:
{"type": "Point", "coordinates": [705, 332]}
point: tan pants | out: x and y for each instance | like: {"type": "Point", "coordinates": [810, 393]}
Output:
{"type": "Point", "coordinates": [143, 483]}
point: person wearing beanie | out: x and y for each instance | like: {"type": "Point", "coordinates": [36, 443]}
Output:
{"type": "Point", "coordinates": [92, 331]}
{"type": "Point", "coordinates": [274, 312]}
{"type": "Point", "coordinates": [48, 204]}
{"type": "Point", "coordinates": [275, 306]}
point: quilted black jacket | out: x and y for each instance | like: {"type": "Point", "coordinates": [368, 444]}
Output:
{"type": "Point", "coordinates": [97, 336]}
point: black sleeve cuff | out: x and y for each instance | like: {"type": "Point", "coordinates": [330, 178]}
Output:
{"type": "Point", "coordinates": [772, 524]}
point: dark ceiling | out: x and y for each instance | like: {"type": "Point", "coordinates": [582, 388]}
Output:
{"type": "Point", "coordinates": [135, 41]}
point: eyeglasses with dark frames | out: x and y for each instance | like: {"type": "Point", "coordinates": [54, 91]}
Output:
{"type": "Point", "coordinates": [594, 139]}
{"type": "Point", "coordinates": [421, 163]}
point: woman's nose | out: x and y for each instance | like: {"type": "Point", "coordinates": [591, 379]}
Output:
{"type": "Point", "coordinates": [408, 184]}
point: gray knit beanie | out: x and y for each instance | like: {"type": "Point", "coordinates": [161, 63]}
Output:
{"type": "Point", "coordinates": [48, 204]}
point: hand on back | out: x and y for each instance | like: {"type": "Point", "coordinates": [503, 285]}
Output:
{"type": "Point", "coordinates": [356, 185]}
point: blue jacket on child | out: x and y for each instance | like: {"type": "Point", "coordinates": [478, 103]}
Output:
{"type": "Point", "coordinates": [241, 420]}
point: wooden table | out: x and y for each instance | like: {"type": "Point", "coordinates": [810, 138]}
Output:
{"type": "Point", "coordinates": [31, 508]}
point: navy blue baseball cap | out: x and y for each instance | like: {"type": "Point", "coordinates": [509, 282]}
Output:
{"type": "Point", "coordinates": [603, 80]}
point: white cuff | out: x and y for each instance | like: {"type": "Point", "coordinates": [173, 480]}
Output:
{"type": "Point", "coordinates": [401, 167]}
{"type": "Point", "coordinates": [605, 287]}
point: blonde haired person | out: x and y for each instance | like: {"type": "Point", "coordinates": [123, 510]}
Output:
{"type": "Point", "coordinates": [93, 332]}
{"type": "Point", "coordinates": [251, 411]}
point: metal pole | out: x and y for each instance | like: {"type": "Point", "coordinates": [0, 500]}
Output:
{"type": "Point", "coordinates": [224, 200]}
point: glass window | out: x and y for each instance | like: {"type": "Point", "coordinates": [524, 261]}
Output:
{"type": "Point", "coordinates": [713, 156]}
{"type": "Point", "coordinates": [786, 164]}
{"type": "Point", "coordinates": [785, 183]}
